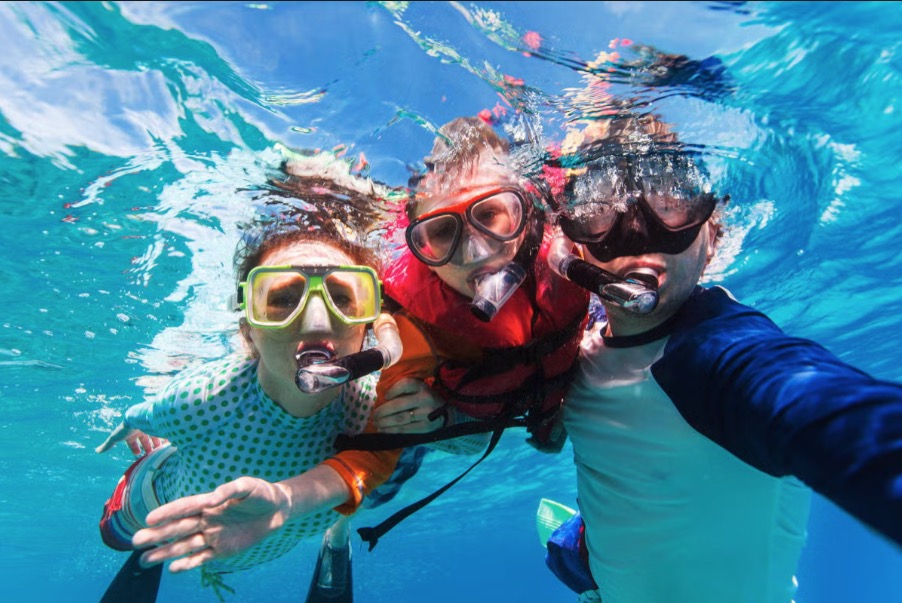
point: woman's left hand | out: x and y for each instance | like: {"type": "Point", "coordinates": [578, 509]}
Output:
{"type": "Point", "coordinates": [139, 442]}
{"type": "Point", "coordinates": [407, 407]}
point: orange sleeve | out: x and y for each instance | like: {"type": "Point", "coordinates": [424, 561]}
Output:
{"type": "Point", "coordinates": [365, 470]}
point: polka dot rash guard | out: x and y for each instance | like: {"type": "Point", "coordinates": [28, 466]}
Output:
{"type": "Point", "coordinates": [225, 426]}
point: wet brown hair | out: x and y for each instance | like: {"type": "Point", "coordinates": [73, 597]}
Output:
{"type": "Point", "coordinates": [455, 153]}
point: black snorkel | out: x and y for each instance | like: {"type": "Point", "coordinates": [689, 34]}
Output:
{"type": "Point", "coordinates": [317, 373]}
{"type": "Point", "coordinates": [637, 293]}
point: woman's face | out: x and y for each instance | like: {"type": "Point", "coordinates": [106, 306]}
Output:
{"type": "Point", "coordinates": [477, 254]}
{"type": "Point", "coordinates": [315, 329]}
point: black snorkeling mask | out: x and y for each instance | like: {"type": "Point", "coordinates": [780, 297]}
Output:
{"type": "Point", "coordinates": [635, 207]}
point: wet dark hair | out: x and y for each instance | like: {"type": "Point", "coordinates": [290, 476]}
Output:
{"type": "Point", "coordinates": [274, 237]}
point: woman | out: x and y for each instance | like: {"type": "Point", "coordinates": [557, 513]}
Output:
{"type": "Point", "coordinates": [307, 296]}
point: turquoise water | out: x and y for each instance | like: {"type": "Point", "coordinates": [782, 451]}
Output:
{"type": "Point", "coordinates": [130, 134]}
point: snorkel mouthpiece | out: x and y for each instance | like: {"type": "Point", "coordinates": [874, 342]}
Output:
{"type": "Point", "coordinates": [632, 295]}
{"type": "Point", "coordinates": [317, 371]}
{"type": "Point", "coordinates": [309, 357]}
{"type": "Point", "coordinates": [493, 290]}
{"type": "Point", "coordinates": [316, 378]}
{"type": "Point", "coordinates": [636, 293]}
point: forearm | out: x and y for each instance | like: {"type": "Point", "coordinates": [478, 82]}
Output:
{"type": "Point", "coordinates": [316, 490]}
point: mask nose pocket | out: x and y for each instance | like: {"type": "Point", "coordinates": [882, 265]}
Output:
{"type": "Point", "coordinates": [316, 316]}
{"type": "Point", "coordinates": [475, 247]}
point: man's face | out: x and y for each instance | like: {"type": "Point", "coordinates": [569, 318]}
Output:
{"type": "Point", "coordinates": [677, 275]}
{"type": "Point", "coordinates": [477, 254]}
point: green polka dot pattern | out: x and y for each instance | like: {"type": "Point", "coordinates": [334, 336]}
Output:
{"type": "Point", "coordinates": [225, 427]}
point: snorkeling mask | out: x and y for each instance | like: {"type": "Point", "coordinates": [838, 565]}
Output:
{"type": "Point", "coordinates": [630, 208]}
{"type": "Point", "coordinates": [272, 297]}
{"type": "Point", "coordinates": [500, 214]}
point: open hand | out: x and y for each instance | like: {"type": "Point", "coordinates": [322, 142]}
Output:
{"type": "Point", "coordinates": [196, 529]}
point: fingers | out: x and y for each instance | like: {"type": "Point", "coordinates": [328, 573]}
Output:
{"type": "Point", "coordinates": [192, 561]}
{"type": "Point", "coordinates": [121, 432]}
{"type": "Point", "coordinates": [191, 544]}
{"type": "Point", "coordinates": [136, 442]}
{"type": "Point", "coordinates": [408, 420]}
{"type": "Point", "coordinates": [174, 530]}
{"type": "Point", "coordinates": [407, 395]}
{"type": "Point", "coordinates": [142, 443]}
{"type": "Point", "coordinates": [407, 409]}
{"type": "Point", "coordinates": [404, 387]}
{"type": "Point", "coordinates": [193, 553]}
{"type": "Point", "coordinates": [183, 507]}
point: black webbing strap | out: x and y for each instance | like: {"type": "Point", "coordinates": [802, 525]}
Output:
{"type": "Point", "coordinates": [390, 441]}
{"type": "Point", "coordinates": [372, 535]}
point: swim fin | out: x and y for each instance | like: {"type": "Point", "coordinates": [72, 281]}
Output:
{"type": "Point", "coordinates": [331, 581]}
{"type": "Point", "coordinates": [549, 517]}
{"type": "Point", "coordinates": [133, 583]}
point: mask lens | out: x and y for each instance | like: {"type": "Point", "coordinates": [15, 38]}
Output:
{"type": "Point", "coordinates": [600, 195]}
{"type": "Point", "coordinates": [589, 222]}
{"type": "Point", "coordinates": [276, 296]}
{"type": "Point", "coordinates": [671, 185]}
{"type": "Point", "coordinates": [677, 212]}
{"type": "Point", "coordinates": [499, 216]}
{"type": "Point", "coordinates": [434, 239]}
{"type": "Point", "coordinates": [353, 294]}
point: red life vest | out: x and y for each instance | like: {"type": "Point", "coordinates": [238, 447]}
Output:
{"type": "Point", "coordinates": [521, 360]}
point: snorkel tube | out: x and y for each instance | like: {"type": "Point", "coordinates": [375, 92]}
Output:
{"type": "Point", "coordinates": [635, 293]}
{"type": "Point", "coordinates": [316, 375]}
{"type": "Point", "coordinates": [493, 290]}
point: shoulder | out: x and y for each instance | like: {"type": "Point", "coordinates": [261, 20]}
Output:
{"type": "Point", "coordinates": [210, 378]}
{"type": "Point", "coordinates": [717, 303]}
{"type": "Point", "coordinates": [359, 399]}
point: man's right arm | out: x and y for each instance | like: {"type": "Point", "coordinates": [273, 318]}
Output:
{"type": "Point", "coordinates": [788, 406]}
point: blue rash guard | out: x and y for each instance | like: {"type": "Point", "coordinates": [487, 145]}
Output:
{"type": "Point", "coordinates": [692, 450]}
{"type": "Point", "coordinates": [795, 408]}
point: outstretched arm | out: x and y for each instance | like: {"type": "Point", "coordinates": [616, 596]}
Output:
{"type": "Point", "coordinates": [787, 406]}
{"type": "Point", "coordinates": [234, 517]}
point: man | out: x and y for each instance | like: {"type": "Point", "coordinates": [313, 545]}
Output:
{"type": "Point", "coordinates": [698, 428]}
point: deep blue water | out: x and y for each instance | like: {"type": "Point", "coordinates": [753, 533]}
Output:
{"type": "Point", "coordinates": [129, 133]}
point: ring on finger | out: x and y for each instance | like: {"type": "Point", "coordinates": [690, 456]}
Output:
{"type": "Point", "coordinates": [413, 416]}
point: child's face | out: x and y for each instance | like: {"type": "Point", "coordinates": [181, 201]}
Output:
{"type": "Point", "coordinates": [315, 329]}
{"type": "Point", "coordinates": [476, 253]}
